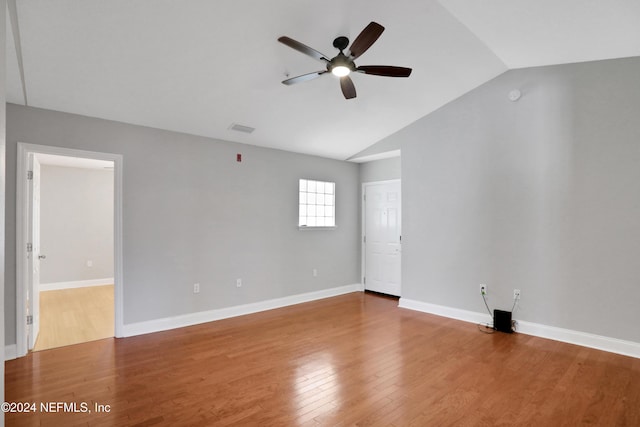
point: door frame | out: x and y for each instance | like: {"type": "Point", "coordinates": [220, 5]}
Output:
{"type": "Point", "coordinates": [34, 261]}
{"type": "Point", "coordinates": [363, 218]}
{"type": "Point", "coordinates": [22, 205]}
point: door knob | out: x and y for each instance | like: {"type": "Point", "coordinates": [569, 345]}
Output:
{"type": "Point", "coordinates": [42, 256]}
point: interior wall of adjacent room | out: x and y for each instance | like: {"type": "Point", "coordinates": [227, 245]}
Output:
{"type": "Point", "coordinates": [76, 224]}
{"type": "Point", "coordinates": [540, 194]}
{"type": "Point", "coordinates": [193, 214]}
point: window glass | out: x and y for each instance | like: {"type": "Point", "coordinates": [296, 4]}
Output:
{"type": "Point", "coordinates": [316, 203]}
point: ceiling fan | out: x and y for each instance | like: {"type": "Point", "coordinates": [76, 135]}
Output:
{"type": "Point", "coordinates": [342, 64]}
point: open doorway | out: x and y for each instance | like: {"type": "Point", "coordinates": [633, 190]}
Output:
{"type": "Point", "coordinates": [69, 287]}
{"type": "Point", "coordinates": [73, 203]}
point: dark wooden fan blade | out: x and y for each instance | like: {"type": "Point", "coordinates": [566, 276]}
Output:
{"type": "Point", "coordinates": [348, 88]}
{"type": "Point", "coordinates": [304, 77]}
{"type": "Point", "coordinates": [365, 39]}
{"type": "Point", "coordinates": [385, 70]}
{"type": "Point", "coordinates": [294, 44]}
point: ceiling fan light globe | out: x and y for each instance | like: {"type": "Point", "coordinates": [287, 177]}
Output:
{"type": "Point", "coordinates": [340, 71]}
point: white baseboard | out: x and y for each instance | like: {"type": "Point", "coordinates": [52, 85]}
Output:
{"type": "Point", "coordinates": [75, 284]}
{"type": "Point", "coordinates": [190, 319]}
{"type": "Point", "coordinates": [444, 311]}
{"type": "Point", "coordinates": [10, 352]}
{"type": "Point", "coordinates": [599, 342]}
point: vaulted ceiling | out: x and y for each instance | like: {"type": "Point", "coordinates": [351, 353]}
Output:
{"type": "Point", "coordinates": [198, 66]}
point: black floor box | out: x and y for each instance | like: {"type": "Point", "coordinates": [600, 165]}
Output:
{"type": "Point", "coordinates": [502, 321]}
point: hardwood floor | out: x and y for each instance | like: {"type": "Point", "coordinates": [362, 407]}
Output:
{"type": "Point", "coordinates": [72, 316]}
{"type": "Point", "coordinates": [355, 359]}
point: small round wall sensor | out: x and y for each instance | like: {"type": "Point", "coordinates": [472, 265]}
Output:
{"type": "Point", "coordinates": [514, 95]}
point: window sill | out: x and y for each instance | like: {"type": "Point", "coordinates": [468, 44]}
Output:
{"type": "Point", "coordinates": [309, 228]}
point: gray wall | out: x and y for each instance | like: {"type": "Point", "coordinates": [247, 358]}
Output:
{"type": "Point", "coordinates": [76, 223]}
{"type": "Point", "coordinates": [381, 170]}
{"type": "Point", "coordinates": [3, 32]}
{"type": "Point", "coordinates": [541, 194]}
{"type": "Point", "coordinates": [191, 214]}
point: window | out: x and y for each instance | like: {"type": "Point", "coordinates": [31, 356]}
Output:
{"type": "Point", "coordinates": [317, 204]}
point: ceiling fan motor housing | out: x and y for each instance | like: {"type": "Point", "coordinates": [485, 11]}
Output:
{"type": "Point", "coordinates": [341, 60]}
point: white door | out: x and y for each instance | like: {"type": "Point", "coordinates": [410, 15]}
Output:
{"type": "Point", "coordinates": [34, 256]}
{"type": "Point", "coordinates": [382, 239]}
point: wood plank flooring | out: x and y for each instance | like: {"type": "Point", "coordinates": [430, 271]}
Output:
{"type": "Point", "coordinates": [72, 316]}
{"type": "Point", "coordinates": [355, 359]}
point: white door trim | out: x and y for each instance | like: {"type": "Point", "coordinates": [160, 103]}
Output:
{"type": "Point", "coordinates": [22, 228]}
{"type": "Point", "coordinates": [363, 224]}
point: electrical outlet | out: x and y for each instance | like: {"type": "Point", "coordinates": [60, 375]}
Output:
{"type": "Point", "coordinates": [196, 288]}
{"type": "Point", "coordinates": [238, 283]}
{"type": "Point", "coordinates": [315, 273]}
{"type": "Point", "coordinates": [89, 263]}
{"type": "Point", "coordinates": [516, 294]}
{"type": "Point", "coordinates": [483, 289]}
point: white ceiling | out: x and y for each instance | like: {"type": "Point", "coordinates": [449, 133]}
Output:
{"type": "Point", "coordinates": [197, 66]}
{"type": "Point", "coordinates": [74, 162]}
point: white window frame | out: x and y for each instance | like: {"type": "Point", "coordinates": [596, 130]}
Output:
{"type": "Point", "coordinates": [316, 204]}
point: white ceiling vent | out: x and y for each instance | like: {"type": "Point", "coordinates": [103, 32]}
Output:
{"type": "Point", "coordinates": [241, 128]}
